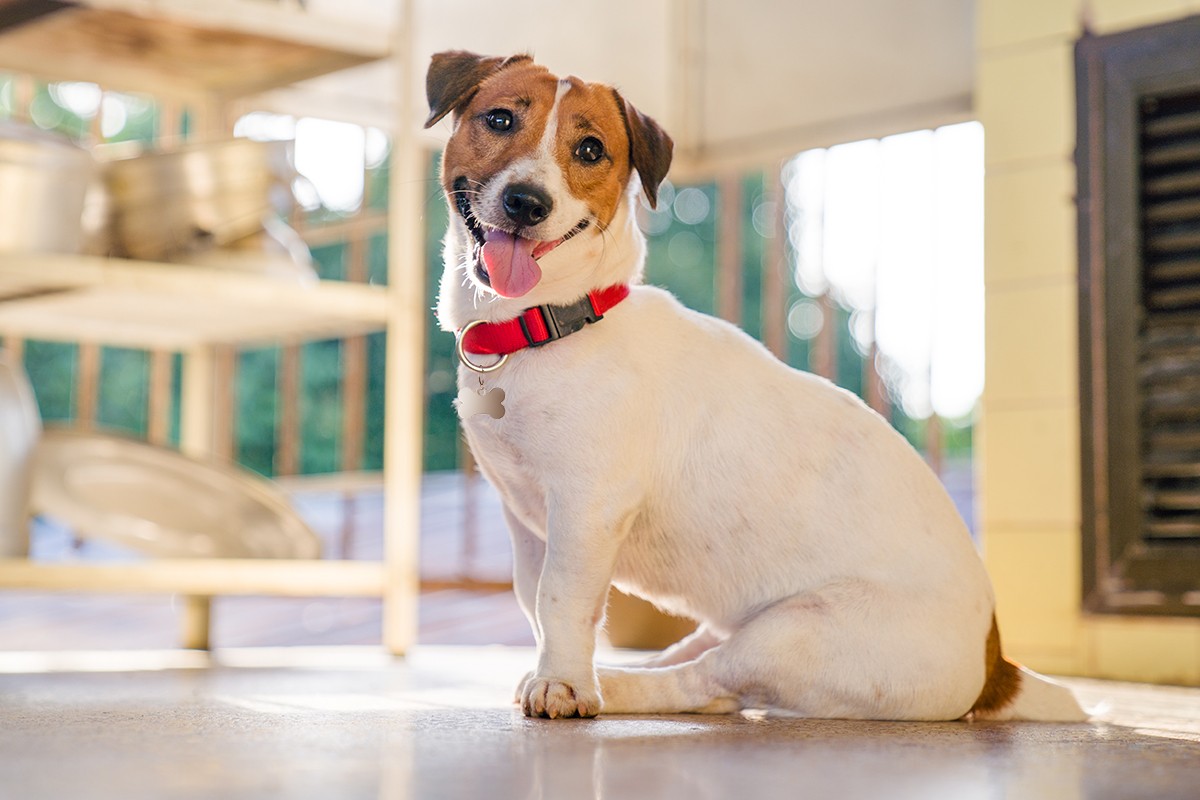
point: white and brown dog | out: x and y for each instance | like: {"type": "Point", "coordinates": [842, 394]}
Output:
{"type": "Point", "coordinates": [670, 454]}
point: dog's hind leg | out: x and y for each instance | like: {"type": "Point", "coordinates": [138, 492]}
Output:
{"type": "Point", "coordinates": [764, 663]}
{"type": "Point", "coordinates": [689, 648]}
{"type": "Point", "coordinates": [683, 688]}
{"type": "Point", "coordinates": [835, 652]}
{"type": "Point", "coordinates": [774, 659]}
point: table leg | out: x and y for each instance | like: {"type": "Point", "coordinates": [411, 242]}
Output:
{"type": "Point", "coordinates": [196, 407]}
{"type": "Point", "coordinates": [197, 619]}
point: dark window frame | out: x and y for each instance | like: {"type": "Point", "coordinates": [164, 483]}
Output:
{"type": "Point", "coordinates": [1123, 572]}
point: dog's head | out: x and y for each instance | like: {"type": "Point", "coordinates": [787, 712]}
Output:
{"type": "Point", "coordinates": [536, 164]}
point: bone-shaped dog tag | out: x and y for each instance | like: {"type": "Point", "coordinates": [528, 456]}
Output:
{"type": "Point", "coordinates": [484, 401]}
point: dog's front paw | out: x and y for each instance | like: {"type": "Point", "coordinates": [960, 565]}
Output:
{"type": "Point", "coordinates": [519, 695]}
{"type": "Point", "coordinates": [552, 698]}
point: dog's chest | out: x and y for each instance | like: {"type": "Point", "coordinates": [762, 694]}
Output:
{"type": "Point", "coordinates": [556, 436]}
{"type": "Point", "coordinates": [507, 454]}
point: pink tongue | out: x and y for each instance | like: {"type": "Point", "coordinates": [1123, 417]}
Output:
{"type": "Point", "coordinates": [510, 264]}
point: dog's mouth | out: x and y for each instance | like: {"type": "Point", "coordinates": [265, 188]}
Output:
{"type": "Point", "coordinates": [504, 260]}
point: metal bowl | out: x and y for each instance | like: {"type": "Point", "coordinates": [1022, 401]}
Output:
{"type": "Point", "coordinates": [162, 503]}
{"type": "Point", "coordinates": [194, 195]}
{"type": "Point", "coordinates": [275, 251]}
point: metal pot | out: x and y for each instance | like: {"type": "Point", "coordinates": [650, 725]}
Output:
{"type": "Point", "coordinates": [196, 195]}
{"type": "Point", "coordinates": [44, 178]}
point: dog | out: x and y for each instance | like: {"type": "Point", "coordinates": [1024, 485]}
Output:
{"type": "Point", "coordinates": [651, 447]}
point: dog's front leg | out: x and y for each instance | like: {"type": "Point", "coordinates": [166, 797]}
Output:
{"type": "Point", "coordinates": [529, 555]}
{"type": "Point", "coordinates": [581, 552]}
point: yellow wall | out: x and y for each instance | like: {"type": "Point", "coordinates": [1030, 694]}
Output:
{"type": "Point", "coordinates": [1028, 454]}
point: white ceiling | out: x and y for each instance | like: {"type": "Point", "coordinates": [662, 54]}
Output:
{"type": "Point", "coordinates": [793, 75]}
{"type": "Point", "coordinates": [736, 83]}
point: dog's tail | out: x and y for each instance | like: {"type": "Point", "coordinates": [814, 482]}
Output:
{"type": "Point", "coordinates": [1011, 691]}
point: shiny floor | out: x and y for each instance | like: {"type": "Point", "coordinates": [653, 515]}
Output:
{"type": "Point", "coordinates": [350, 723]}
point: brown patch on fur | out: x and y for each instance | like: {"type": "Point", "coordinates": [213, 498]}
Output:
{"type": "Point", "coordinates": [477, 152]}
{"type": "Point", "coordinates": [1003, 680]}
{"type": "Point", "coordinates": [650, 148]}
{"type": "Point", "coordinates": [454, 76]}
{"type": "Point", "coordinates": [588, 110]}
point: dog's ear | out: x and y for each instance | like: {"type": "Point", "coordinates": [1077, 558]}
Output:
{"type": "Point", "coordinates": [650, 148]}
{"type": "Point", "coordinates": [455, 75]}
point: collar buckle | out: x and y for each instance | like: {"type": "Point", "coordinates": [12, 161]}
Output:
{"type": "Point", "coordinates": [562, 321]}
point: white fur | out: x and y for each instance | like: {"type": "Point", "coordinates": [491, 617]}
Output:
{"type": "Point", "coordinates": [669, 453]}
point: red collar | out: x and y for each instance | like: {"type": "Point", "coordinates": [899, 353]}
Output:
{"type": "Point", "coordinates": [541, 324]}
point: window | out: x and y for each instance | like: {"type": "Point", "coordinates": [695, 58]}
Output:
{"type": "Point", "coordinates": [1138, 101]}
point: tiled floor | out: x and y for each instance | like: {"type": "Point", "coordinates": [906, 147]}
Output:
{"type": "Point", "coordinates": [349, 723]}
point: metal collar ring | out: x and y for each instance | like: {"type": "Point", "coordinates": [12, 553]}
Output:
{"type": "Point", "coordinates": [462, 354]}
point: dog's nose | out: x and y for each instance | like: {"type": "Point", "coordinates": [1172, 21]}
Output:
{"type": "Point", "coordinates": [525, 204]}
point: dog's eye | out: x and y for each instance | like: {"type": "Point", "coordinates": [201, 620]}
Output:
{"type": "Point", "coordinates": [499, 119]}
{"type": "Point", "coordinates": [590, 150]}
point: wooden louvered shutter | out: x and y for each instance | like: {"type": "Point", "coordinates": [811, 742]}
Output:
{"type": "Point", "coordinates": [1139, 214]}
{"type": "Point", "coordinates": [1170, 336]}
